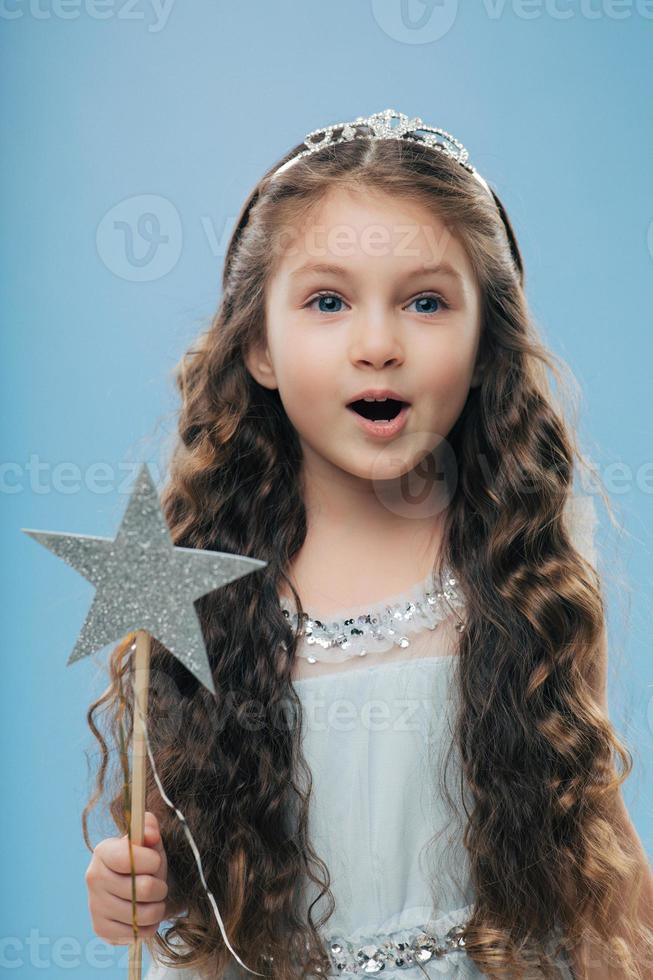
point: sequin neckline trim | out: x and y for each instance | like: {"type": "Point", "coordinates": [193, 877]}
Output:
{"type": "Point", "coordinates": [362, 629]}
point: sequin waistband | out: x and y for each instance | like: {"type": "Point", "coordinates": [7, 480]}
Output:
{"type": "Point", "coordinates": [411, 949]}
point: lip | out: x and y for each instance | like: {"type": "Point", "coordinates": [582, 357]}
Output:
{"type": "Point", "coordinates": [378, 393]}
{"type": "Point", "coordinates": [382, 430]}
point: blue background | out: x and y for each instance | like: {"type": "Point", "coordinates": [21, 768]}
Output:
{"type": "Point", "coordinates": [189, 106]}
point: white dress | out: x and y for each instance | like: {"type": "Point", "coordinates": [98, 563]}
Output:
{"type": "Point", "coordinates": [378, 699]}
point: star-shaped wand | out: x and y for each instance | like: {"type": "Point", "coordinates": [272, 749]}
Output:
{"type": "Point", "coordinates": [147, 585]}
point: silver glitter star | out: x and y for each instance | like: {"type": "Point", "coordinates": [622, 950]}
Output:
{"type": "Point", "coordinates": [143, 581]}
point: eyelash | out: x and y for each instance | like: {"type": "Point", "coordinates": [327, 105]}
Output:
{"type": "Point", "coordinates": [430, 295]}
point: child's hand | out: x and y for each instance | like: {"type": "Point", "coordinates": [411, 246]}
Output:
{"type": "Point", "coordinates": [109, 882]}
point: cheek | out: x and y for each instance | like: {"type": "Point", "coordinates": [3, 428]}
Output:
{"type": "Point", "coordinates": [308, 388]}
{"type": "Point", "coordinates": [448, 367]}
{"type": "Point", "coordinates": [308, 372]}
{"type": "Point", "coordinates": [445, 377]}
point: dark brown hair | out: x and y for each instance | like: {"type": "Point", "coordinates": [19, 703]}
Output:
{"type": "Point", "coordinates": [541, 759]}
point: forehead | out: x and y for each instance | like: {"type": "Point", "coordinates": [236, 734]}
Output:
{"type": "Point", "coordinates": [364, 229]}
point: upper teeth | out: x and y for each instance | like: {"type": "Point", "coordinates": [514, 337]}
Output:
{"type": "Point", "coordinates": [375, 399]}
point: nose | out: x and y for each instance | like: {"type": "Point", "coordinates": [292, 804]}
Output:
{"type": "Point", "coordinates": [376, 339]}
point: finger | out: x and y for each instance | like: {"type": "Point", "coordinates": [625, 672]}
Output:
{"type": "Point", "coordinates": [149, 888]}
{"type": "Point", "coordinates": [114, 854]}
{"type": "Point", "coordinates": [150, 820]}
{"type": "Point", "coordinates": [152, 834]}
{"type": "Point", "coordinates": [119, 911]}
{"type": "Point", "coordinates": [118, 934]}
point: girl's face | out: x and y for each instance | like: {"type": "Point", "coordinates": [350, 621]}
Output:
{"type": "Point", "coordinates": [372, 292]}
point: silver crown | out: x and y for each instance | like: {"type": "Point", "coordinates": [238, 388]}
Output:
{"type": "Point", "coordinates": [386, 125]}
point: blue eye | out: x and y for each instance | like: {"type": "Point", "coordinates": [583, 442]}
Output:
{"type": "Point", "coordinates": [329, 296]}
{"type": "Point", "coordinates": [426, 297]}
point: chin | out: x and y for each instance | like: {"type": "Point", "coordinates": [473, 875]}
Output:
{"type": "Point", "coordinates": [381, 465]}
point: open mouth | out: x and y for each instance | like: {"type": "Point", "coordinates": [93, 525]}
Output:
{"type": "Point", "coordinates": [375, 411]}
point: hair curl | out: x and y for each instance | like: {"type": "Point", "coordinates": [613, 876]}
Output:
{"type": "Point", "coordinates": [540, 758]}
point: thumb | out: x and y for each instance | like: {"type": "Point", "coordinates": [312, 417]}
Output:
{"type": "Point", "coordinates": [152, 838]}
{"type": "Point", "coordinates": [152, 833]}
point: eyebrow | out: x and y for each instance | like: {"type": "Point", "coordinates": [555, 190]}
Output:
{"type": "Point", "coordinates": [330, 269]}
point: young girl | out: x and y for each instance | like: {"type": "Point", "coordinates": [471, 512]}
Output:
{"type": "Point", "coordinates": [409, 764]}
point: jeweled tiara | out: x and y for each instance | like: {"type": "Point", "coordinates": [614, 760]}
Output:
{"type": "Point", "coordinates": [386, 125]}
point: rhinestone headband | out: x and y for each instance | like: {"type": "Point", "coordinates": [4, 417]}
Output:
{"type": "Point", "coordinates": [386, 125]}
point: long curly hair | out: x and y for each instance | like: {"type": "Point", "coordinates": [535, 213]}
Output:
{"type": "Point", "coordinates": [541, 761]}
